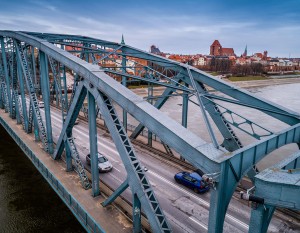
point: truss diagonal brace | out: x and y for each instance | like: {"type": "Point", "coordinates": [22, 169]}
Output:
{"type": "Point", "coordinates": [158, 104]}
{"type": "Point", "coordinates": [136, 177]}
{"type": "Point", "coordinates": [70, 119]}
{"type": "Point", "coordinates": [116, 193]}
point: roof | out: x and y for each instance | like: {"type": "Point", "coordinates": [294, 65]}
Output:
{"type": "Point", "coordinates": [216, 43]}
{"type": "Point", "coordinates": [227, 51]}
{"type": "Point", "coordinates": [259, 55]}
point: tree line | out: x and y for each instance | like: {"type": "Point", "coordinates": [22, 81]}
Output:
{"type": "Point", "coordinates": [226, 66]}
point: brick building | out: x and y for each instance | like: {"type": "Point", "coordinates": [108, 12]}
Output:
{"type": "Point", "coordinates": [216, 49]}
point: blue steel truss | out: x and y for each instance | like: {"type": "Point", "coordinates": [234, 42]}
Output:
{"type": "Point", "coordinates": [95, 64]}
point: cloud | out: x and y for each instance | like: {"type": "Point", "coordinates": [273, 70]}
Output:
{"type": "Point", "coordinates": [183, 32]}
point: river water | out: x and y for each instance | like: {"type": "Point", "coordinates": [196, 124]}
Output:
{"type": "Point", "coordinates": [27, 202]}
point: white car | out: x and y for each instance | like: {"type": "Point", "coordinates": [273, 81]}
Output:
{"type": "Point", "coordinates": [41, 104]}
{"type": "Point", "coordinates": [103, 164]}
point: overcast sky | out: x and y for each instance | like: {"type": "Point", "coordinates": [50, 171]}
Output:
{"type": "Point", "coordinates": [185, 26]}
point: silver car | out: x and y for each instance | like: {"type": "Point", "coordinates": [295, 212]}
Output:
{"type": "Point", "coordinates": [103, 164]}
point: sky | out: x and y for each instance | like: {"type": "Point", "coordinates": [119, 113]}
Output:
{"type": "Point", "coordinates": [182, 27]}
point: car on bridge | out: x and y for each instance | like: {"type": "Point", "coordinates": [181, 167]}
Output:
{"type": "Point", "coordinates": [103, 164]}
{"type": "Point", "coordinates": [41, 104]}
{"type": "Point", "coordinates": [192, 180]}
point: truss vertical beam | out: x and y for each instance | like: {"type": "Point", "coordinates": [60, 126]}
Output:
{"type": "Point", "coordinates": [4, 60]}
{"type": "Point", "coordinates": [150, 96]}
{"type": "Point", "coordinates": [63, 79]}
{"type": "Point", "coordinates": [30, 117]}
{"type": "Point", "coordinates": [68, 158]}
{"type": "Point", "coordinates": [124, 83]}
{"type": "Point", "coordinates": [218, 206]}
{"type": "Point", "coordinates": [185, 102]}
{"type": "Point", "coordinates": [44, 78]}
{"type": "Point", "coordinates": [23, 98]}
{"type": "Point", "coordinates": [14, 91]}
{"type": "Point", "coordinates": [137, 225]}
{"type": "Point", "coordinates": [4, 95]}
{"type": "Point", "coordinates": [93, 145]}
{"type": "Point", "coordinates": [36, 131]}
{"type": "Point", "coordinates": [33, 67]}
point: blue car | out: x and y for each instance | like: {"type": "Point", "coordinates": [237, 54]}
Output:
{"type": "Point", "coordinates": [193, 181]}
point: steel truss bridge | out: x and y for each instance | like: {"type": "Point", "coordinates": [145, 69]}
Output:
{"type": "Point", "coordinates": [34, 66]}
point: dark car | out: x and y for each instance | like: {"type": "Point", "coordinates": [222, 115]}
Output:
{"type": "Point", "coordinates": [192, 180]}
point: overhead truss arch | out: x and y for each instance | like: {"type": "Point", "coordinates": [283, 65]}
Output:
{"type": "Point", "coordinates": [231, 161]}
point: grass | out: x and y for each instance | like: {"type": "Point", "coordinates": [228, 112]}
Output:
{"type": "Point", "coordinates": [213, 73]}
{"type": "Point", "coordinates": [247, 78]}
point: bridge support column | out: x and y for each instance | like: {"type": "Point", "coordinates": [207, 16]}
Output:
{"type": "Point", "coordinates": [6, 75]}
{"type": "Point", "coordinates": [68, 158]}
{"type": "Point", "coordinates": [93, 144]}
{"type": "Point", "coordinates": [46, 97]}
{"type": "Point", "coordinates": [36, 130]}
{"type": "Point", "coordinates": [219, 202]}
{"type": "Point", "coordinates": [124, 83]}
{"type": "Point", "coordinates": [150, 100]}
{"type": "Point", "coordinates": [185, 102]}
{"type": "Point", "coordinates": [261, 216]}
{"type": "Point", "coordinates": [23, 99]}
{"type": "Point", "coordinates": [137, 225]}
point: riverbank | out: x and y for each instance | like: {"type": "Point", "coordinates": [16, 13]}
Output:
{"type": "Point", "coordinates": [242, 84]}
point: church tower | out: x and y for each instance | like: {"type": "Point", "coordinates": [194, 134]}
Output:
{"type": "Point", "coordinates": [216, 48]}
{"type": "Point", "coordinates": [245, 52]}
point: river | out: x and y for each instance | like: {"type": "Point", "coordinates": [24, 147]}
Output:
{"type": "Point", "coordinates": [27, 202]}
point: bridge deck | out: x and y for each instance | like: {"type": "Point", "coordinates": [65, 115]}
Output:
{"type": "Point", "coordinates": [110, 219]}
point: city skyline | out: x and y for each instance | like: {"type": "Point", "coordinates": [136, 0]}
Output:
{"type": "Point", "coordinates": [173, 26]}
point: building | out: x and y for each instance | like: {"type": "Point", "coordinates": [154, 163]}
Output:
{"type": "Point", "coordinates": [216, 49]}
{"type": "Point", "coordinates": [155, 50]}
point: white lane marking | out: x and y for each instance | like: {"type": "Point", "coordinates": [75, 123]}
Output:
{"type": "Point", "coordinates": [199, 223]}
{"type": "Point", "coordinates": [117, 169]}
{"type": "Point", "coordinates": [182, 190]}
{"type": "Point", "coordinates": [159, 177]}
{"type": "Point", "coordinates": [238, 221]}
{"type": "Point", "coordinates": [246, 226]}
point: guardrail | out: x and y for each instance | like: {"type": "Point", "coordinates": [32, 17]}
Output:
{"type": "Point", "coordinates": [79, 212]}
